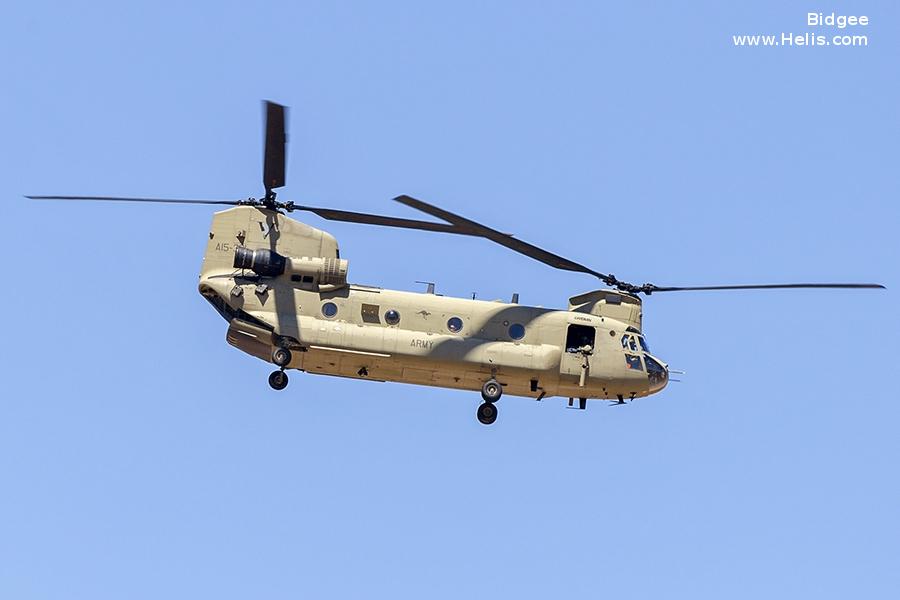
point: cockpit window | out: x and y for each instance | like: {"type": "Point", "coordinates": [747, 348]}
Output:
{"type": "Point", "coordinates": [644, 345]}
{"type": "Point", "coordinates": [633, 362]}
{"type": "Point", "coordinates": [653, 365]}
{"type": "Point", "coordinates": [629, 343]}
{"type": "Point", "coordinates": [656, 372]}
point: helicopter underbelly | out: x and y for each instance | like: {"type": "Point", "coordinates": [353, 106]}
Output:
{"type": "Point", "coordinates": [468, 376]}
{"type": "Point", "coordinates": [424, 371]}
{"type": "Point", "coordinates": [524, 370]}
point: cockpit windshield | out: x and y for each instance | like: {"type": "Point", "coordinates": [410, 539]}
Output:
{"type": "Point", "coordinates": [656, 373]}
{"type": "Point", "coordinates": [629, 342]}
{"type": "Point", "coordinates": [644, 346]}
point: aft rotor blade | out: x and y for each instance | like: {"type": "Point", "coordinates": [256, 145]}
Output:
{"type": "Point", "coordinates": [156, 200]}
{"type": "Point", "coordinates": [468, 227]}
{"type": "Point", "coordinates": [276, 139]}
{"type": "Point", "coordinates": [652, 289]}
{"type": "Point", "coordinates": [368, 219]}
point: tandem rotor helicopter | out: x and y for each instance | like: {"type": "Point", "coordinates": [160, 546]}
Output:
{"type": "Point", "coordinates": [282, 287]}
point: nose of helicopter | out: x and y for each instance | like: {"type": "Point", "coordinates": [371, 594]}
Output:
{"type": "Point", "coordinates": [657, 373]}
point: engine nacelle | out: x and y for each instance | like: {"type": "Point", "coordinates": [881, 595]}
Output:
{"type": "Point", "coordinates": [268, 263]}
{"type": "Point", "coordinates": [324, 271]}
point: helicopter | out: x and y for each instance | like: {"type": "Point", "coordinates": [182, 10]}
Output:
{"type": "Point", "coordinates": [283, 289]}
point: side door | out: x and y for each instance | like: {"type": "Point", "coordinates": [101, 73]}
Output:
{"type": "Point", "coordinates": [575, 362]}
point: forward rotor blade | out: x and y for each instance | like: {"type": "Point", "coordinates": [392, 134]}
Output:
{"type": "Point", "coordinates": [467, 227]}
{"type": "Point", "coordinates": [276, 138]}
{"type": "Point", "coordinates": [155, 200]}
{"type": "Point", "coordinates": [650, 288]}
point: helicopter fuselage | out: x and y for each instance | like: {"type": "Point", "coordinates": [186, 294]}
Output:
{"type": "Point", "coordinates": [336, 328]}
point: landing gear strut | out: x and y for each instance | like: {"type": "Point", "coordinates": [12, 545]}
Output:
{"type": "Point", "coordinates": [281, 357]}
{"type": "Point", "coordinates": [490, 393]}
{"type": "Point", "coordinates": [278, 380]}
{"type": "Point", "coordinates": [491, 390]}
{"type": "Point", "coordinates": [487, 413]}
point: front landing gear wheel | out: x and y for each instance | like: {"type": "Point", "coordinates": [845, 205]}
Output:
{"type": "Point", "coordinates": [487, 413]}
{"type": "Point", "coordinates": [491, 390]}
{"type": "Point", "coordinates": [281, 357]}
{"type": "Point", "coordinates": [278, 380]}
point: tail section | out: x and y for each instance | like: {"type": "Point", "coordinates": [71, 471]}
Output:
{"type": "Point", "coordinates": [259, 228]}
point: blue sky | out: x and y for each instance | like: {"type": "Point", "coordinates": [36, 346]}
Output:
{"type": "Point", "coordinates": [143, 457]}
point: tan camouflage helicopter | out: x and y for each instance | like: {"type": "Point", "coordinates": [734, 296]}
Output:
{"type": "Point", "coordinates": [282, 287]}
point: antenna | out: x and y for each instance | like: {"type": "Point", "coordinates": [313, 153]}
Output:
{"type": "Point", "coordinates": [430, 285]}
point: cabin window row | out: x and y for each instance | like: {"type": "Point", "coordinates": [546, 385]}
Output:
{"type": "Point", "coordinates": [516, 331]}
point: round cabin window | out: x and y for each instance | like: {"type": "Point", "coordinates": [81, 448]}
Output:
{"type": "Point", "coordinates": [329, 309]}
{"type": "Point", "coordinates": [517, 331]}
{"type": "Point", "coordinates": [392, 317]}
{"type": "Point", "coordinates": [455, 324]}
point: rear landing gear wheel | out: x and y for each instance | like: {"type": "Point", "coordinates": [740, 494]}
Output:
{"type": "Point", "coordinates": [278, 380]}
{"type": "Point", "coordinates": [491, 390]}
{"type": "Point", "coordinates": [487, 413]}
{"type": "Point", "coordinates": [281, 357]}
